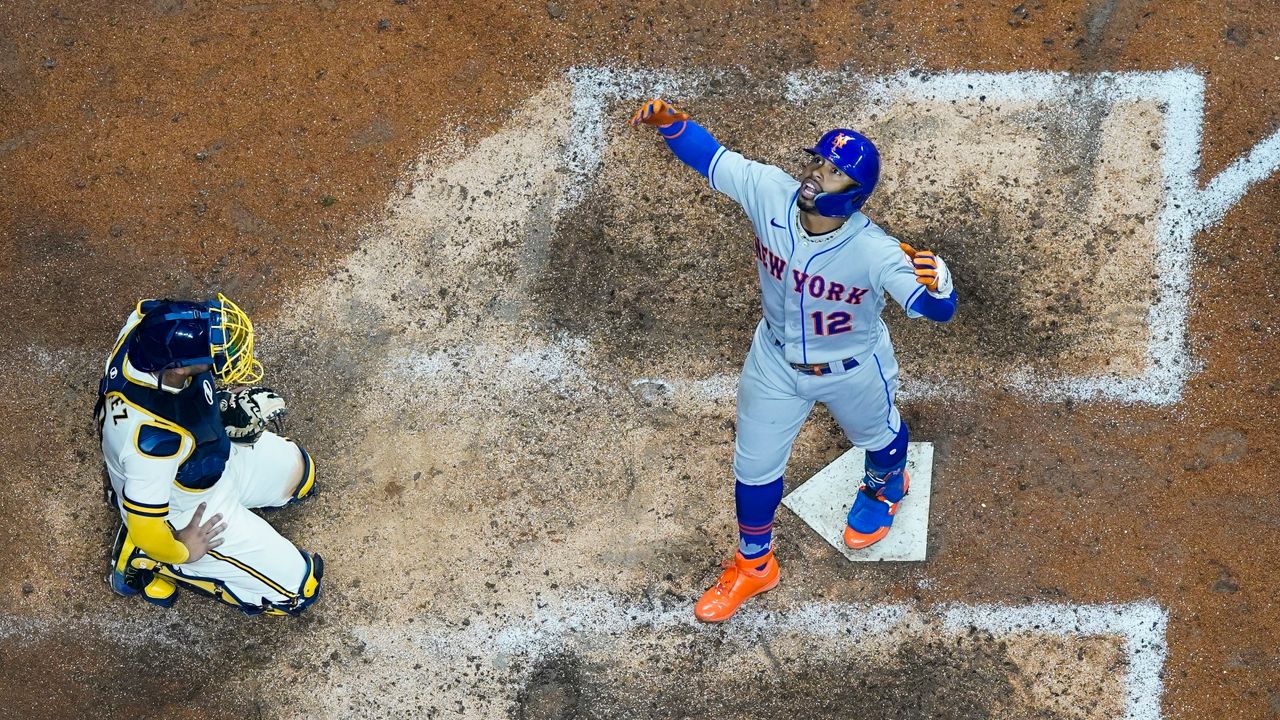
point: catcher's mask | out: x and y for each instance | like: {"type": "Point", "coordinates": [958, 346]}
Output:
{"type": "Point", "coordinates": [180, 333]}
{"type": "Point", "coordinates": [857, 157]}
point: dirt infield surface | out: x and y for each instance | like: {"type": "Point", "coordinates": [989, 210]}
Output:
{"type": "Point", "coordinates": [510, 339]}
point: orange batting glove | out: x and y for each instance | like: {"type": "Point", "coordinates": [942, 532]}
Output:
{"type": "Point", "coordinates": [657, 113]}
{"type": "Point", "coordinates": [931, 271]}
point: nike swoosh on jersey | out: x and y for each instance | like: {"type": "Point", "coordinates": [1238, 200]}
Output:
{"type": "Point", "coordinates": [775, 224]}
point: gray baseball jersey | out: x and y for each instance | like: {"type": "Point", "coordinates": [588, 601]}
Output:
{"type": "Point", "coordinates": [822, 296]}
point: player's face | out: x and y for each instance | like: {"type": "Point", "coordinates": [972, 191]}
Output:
{"type": "Point", "coordinates": [820, 176]}
{"type": "Point", "coordinates": [193, 370]}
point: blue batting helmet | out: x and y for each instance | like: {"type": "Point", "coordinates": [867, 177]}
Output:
{"type": "Point", "coordinates": [857, 157]}
{"type": "Point", "coordinates": [180, 333]}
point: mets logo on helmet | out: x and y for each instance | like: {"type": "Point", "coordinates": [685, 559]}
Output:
{"type": "Point", "coordinates": [839, 141]}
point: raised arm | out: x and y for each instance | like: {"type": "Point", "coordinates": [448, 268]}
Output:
{"type": "Point", "coordinates": [687, 139]}
{"type": "Point", "coordinates": [726, 171]}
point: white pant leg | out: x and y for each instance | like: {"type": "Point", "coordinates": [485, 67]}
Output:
{"type": "Point", "coordinates": [770, 413]}
{"type": "Point", "coordinates": [266, 470]}
{"type": "Point", "coordinates": [254, 563]}
{"type": "Point", "coordinates": [862, 400]}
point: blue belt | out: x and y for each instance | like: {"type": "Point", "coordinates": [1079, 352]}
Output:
{"type": "Point", "coordinates": [825, 368]}
{"type": "Point", "coordinates": [818, 369]}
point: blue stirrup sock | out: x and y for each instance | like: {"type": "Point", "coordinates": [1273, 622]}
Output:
{"type": "Point", "coordinates": [756, 506]}
{"type": "Point", "coordinates": [883, 463]}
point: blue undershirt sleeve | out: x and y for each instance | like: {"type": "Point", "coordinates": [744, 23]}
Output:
{"type": "Point", "coordinates": [691, 143]}
{"type": "Point", "coordinates": [934, 308]}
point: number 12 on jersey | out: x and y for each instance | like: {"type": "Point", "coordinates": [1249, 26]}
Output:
{"type": "Point", "coordinates": [832, 323]}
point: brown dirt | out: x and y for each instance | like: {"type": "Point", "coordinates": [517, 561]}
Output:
{"type": "Point", "coordinates": [174, 147]}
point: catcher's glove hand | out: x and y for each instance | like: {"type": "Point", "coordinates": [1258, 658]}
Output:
{"type": "Point", "coordinates": [246, 413]}
{"type": "Point", "coordinates": [931, 271]}
{"type": "Point", "coordinates": [657, 113]}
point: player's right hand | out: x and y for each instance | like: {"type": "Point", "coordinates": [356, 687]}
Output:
{"type": "Point", "coordinates": [657, 113]}
{"type": "Point", "coordinates": [201, 538]}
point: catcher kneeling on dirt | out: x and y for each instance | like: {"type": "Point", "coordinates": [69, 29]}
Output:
{"type": "Point", "coordinates": [187, 461]}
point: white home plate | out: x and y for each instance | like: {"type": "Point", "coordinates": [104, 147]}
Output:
{"type": "Point", "coordinates": [823, 503]}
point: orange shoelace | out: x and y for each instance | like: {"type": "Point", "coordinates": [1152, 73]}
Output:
{"type": "Point", "coordinates": [728, 577]}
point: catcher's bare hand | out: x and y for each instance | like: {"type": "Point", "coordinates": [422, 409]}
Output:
{"type": "Point", "coordinates": [930, 270]}
{"type": "Point", "coordinates": [201, 538]}
{"type": "Point", "coordinates": [658, 113]}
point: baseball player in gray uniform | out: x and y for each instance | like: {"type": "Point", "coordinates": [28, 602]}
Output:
{"type": "Point", "coordinates": [824, 271]}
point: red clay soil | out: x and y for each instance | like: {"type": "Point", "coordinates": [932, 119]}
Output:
{"type": "Point", "coordinates": [172, 147]}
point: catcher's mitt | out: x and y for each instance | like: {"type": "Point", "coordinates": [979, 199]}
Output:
{"type": "Point", "coordinates": [246, 413]}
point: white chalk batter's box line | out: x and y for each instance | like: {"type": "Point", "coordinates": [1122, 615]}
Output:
{"type": "Point", "coordinates": [1187, 208]}
{"type": "Point", "coordinates": [1140, 627]}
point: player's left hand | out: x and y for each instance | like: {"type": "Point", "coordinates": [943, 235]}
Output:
{"type": "Point", "coordinates": [658, 113]}
{"type": "Point", "coordinates": [931, 271]}
{"type": "Point", "coordinates": [246, 413]}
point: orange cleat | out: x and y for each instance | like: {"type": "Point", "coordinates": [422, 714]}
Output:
{"type": "Point", "coordinates": [740, 582]}
{"type": "Point", "coordinates": [855, 540]}
{"type": "Point", "coordinates": [871, 516]}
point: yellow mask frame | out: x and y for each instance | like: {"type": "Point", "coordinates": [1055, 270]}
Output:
{"type": "Point", "coordinates": [231, 344]}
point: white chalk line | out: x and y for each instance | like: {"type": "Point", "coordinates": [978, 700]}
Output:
{"type": "Point", "coordinates": [548, 369]}
{"type": "Point", "coordinates": [1211, 204]}
{"type": "Point", "coordinates": [1141, 624]}
{"type": "Point", "coordinates": [557, 366]}
{"type": "Point", "coordinates": [1186, 212]}
{"type": "Point", "coordinates": [556, 623]}
{"type": "Point", "coordinates": [593, 89]}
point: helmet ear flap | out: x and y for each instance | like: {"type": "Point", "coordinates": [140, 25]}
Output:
{"type": "Point", "coordinates": [833, 205]}
{"type": "Point", "coordinates": [840, 205]}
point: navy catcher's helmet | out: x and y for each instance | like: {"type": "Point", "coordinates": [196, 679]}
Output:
{"type": "Point", "coordinates": [856, 157]}
{"type": "Point", "coordinates": [180, 333]}
{"type": "Point", "coordinates": [172, 334]}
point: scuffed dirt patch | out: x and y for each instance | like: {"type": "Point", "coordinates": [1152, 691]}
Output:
{"type": "Point", "coordinates": [654, 285]}
{"type": "Point", "coordinates": [913, 675]}
{"type": "Point", "coordinates": [44, 677]}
